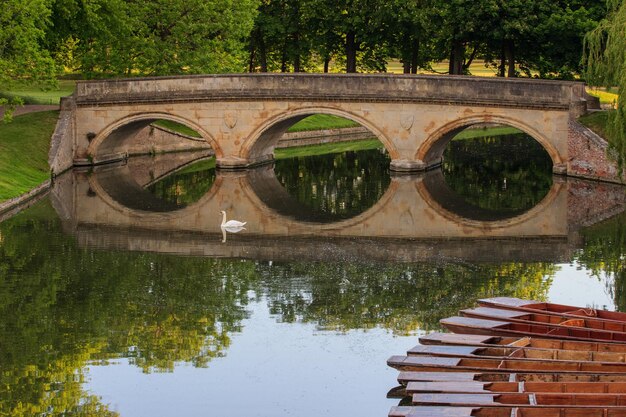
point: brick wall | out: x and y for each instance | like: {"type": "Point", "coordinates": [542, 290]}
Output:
{"type": "Point", "coordinates": [589, 156]}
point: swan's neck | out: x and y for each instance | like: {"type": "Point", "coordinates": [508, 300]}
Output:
{"type": "Point", "coordinates": [223, 218]}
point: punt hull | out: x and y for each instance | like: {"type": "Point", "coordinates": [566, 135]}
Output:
{"type": "Point", "coordinates": [405, 377]}
{"type": "Point", "coordinates": [426, 363]}
{"type": "Point", "coordinates": [526, 342]}
{"type": "Point", "coordinates": [442, 411]}
{"type": "Point", "coordinates": [532, 306]}
{"type": "Point", "coordinates": [539, 400]}
{"type": "Point", "coordinates": [468, 325]}
{"type": "Point", "coordinates": [599, 329]}
{"type": "Point", "coordinates": [520, 353]}
{"type": "Point", "coordinates": [477, 387]}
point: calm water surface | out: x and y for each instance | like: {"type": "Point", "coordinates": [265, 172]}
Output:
{"type": "Point", "coordinates": [119, 295]}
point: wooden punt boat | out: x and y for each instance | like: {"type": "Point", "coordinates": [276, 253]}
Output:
{"type": "Point", "coordinates": [521, 399]}
{"type": "Point", "coordinates": [600, 329]}
{"type": "Point", "coordinates": [557, 355]}
{"type": "Point", "coordinates": [404, 377]}
{"type": "Point", "coordinates": [551, 308]}
{"type": "Point", "coordinates": [442, 411]}
{"type": "Point", "coordinates": [510, 328]}
{"type": "Point", "coordinates": [460, 364]}
{"type": "Point", "coordinates": [519, 341]}
{"type": "Point", "coordinates": [477, 387]}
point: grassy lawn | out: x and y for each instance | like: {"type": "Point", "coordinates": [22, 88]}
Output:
{"type": "Point", "coordinates": [35, 95]}
{"type": "Point", "coordinates": [477, 68]}
{"type": "Point", "coordinates": [595, 121]}
{"type": "Point", "coordinates": [177, 127]}
{"type": "Point", "coordinates": [606, 96]}
{"type": "Point", "coordinates": [357, 145]}
{"type": "Point", "coordinates": [321, 122]}
{"type": "Point", "coordinates": [24, 147]}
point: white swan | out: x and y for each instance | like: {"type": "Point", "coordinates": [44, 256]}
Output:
{"type": "Point", "coordinates": [231, 224]}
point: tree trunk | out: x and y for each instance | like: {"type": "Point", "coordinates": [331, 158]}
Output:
{"type": "Point", "coordinates": [283, 59]}
{"type": "Point", "coordinates": [415, 48]}
{"type": "Point", "coordinates": [350, 52]}
{"type": "Point", "coordinates": [262, 53]}
{"type": "Point", "coordinates": [510, 57]}
{"type": "Point", "coordinates": [326, 63]}
{"type": "Point", "coordinates": [251, 57]}
{"type": "Point", "coordinates": [502, 66]}
{"type": "Point", "coordinates": [406, 67]}
{"type": "Point", "coordinates": [296, 58]}
{"type": "Point", "coordinates": [457, 56]}
{"type": "Point", "coordinates": [296, 63]}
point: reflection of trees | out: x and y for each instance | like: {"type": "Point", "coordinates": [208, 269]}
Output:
{"type": "Point", "coordinates": [64, 307]}
{"type": "Point", "coordinates": [508, 172]}
{"type": "Point", "coordinates": [400, 297]}
{"type": "Point", "coordinates": [187, 186]}
{"type": "Point", "coordinates": [343, 185]}
{"type": "Point", "coordinates": [604, 254]}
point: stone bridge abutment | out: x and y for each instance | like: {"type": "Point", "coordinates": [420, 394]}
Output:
{"type": "Point", "coordinates": [242, 117]}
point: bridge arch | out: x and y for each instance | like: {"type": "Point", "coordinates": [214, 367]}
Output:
{"type": "Point", "coordinates": [260, 143]}
{"type": "Point", "coordinates": [117, 132]}
{"type": "Point", "coordinates": [431, 150]}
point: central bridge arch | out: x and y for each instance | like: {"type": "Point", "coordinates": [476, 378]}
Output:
{"type": "Point", "coordinates": [263, 139]}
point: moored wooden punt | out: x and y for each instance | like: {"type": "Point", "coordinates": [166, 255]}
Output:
{"type": "Point", "coordinates": [507, 328]}
{"type": "Point", "coordinates": [477, 387]}
{"type": "Point", "coordinates": [404, 377]}
{"type": "Point", "coordinates": [519, 341]}
{"type": "Point", "coordinates": [551, 308]}
{"type": "Point", "coordinates": [461, 364]}
{"type": "Point", "coordinates": [442, 411]}
{"type": "Point", "coordinates": [602, 329]}
{"type": "Point", "coordinates": [520, 399]}
{"type": "Point", "coordinates": [557, 355]}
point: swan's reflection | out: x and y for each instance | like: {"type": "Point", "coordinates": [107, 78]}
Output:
{"type": "Point", "coordinates": [232, 229]}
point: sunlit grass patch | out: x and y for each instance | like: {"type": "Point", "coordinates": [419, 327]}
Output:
{"type": "Point", "coordinates": [39, 95]}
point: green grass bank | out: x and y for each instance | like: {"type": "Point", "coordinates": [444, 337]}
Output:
{"type": "Point", "coordinates": [24, 147]}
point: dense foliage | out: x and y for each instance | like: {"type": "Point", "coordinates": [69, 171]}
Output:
{"type": "Point", "coordinates": [156, 37]}
{"type": "Point", "coordinates": [605, 54]}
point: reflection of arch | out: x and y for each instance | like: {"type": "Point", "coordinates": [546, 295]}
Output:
{"type": "Point", "coordinates": [116, 133]}
{"type": "Point", "coordinates": [448, 204]}
{"type": "Point", "coordinates": [262, 140]}
{"type": "Point", "coordinates": [119, 189]}
{"type": "Point", "coordinates": [431, 151]}
{"type": "Point", "coordinates": [266, 193]}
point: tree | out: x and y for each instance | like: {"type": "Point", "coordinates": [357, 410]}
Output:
{"type": "Point", "coordinates": [156, 37]}
{"type": "Point", "coordinates": [22, 59]}
{"type": "Point", "coordinates": [605, 57]}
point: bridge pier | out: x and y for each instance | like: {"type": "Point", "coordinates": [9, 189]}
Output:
{"type": "Point", "coordinates": [236, 163]}
{"type": "Point", "coordinates": [406, 165]}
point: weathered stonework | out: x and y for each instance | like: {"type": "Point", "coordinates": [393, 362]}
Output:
{"type": "Point", "coordinates": [243, 117]}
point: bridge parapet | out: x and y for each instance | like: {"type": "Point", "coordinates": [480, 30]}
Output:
{"type": "Point", "coordinates": [458, 90]}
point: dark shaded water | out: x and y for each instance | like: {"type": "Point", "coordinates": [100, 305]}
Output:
{"type": "Point", "coordinates": [90, 329]}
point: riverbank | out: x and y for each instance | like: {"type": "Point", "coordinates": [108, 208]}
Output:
{"type": "Point", "coordinates": [24, 147]}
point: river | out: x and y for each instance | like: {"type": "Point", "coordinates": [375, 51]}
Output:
{"type": "Point", "coordinates": [121, 295]}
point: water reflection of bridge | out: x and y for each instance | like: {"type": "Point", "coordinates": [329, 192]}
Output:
{"type": "Point", "coordinates": [418, 218]}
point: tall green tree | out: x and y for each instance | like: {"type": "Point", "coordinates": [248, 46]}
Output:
{"type": "Point", "coordinates": [23, 60]}
{"type": "Point", "coordinates": [605, 56]}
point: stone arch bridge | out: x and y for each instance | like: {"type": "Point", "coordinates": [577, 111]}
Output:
{"type": "Point", "coordinates": [242, 117]}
